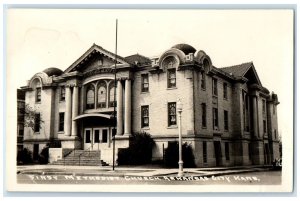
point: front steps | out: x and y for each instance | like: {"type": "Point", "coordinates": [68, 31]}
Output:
{"type": "Point", "coordinates": [81, 158]}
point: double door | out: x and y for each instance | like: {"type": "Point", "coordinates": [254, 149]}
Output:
{"type": "Point", "coordinates": [96, 138]}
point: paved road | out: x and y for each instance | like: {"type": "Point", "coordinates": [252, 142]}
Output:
{"type": "Point", "coordinates": [253, 178]}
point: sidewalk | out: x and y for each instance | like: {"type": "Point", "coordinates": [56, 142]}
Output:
{"type": "Point", "coordinates": [145, 171]}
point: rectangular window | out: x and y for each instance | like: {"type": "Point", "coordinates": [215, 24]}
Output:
{"type": "Point", "coordinates": [172, 114]}
{"type": "Point", "coordinates": [62, 93]}
{"type": "Point", "coordinates": [215, 87]}
{"type": "Point", "coordinates": [203, 85]}
{"type": "Point", "coordinates": [203, 107]}
{"type": "Point", "coordinates": [37, 122]}
{"type": "Point", "coordinates": [265, 126]}
{"type": "Point", "coordinates": [264, 106]}
{"type": "Point", "coordinates": [61, 121]}
{"type": "Point", "coordinates": [246, 111]}
{"type": "Point", "coordinates": [215, 119]}
{"type": "Point", "coordinates": [97, 136]}
{"type": "Point", "coordinates": [171, 78]}
{"type": "Point", "coordinates": [104, 136]}
{"type": "Point", "coordinates": [145, 116]}
{"type": "Point", "coordinates": [225, 95]}
{"type": "Point", "coordinates": [38, 95]}
{"type": "Point", "coordinates": [204, 152]}
{"type": "Point", "coordinates": [227, 151]}
{"type": "Point", "coordinates": [145, 83]}
{"type": "Point", "coordinates": [275, 134]}
{"type": "Point", "coordinates": [225, 120]}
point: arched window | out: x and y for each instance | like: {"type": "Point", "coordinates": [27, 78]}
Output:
{"type": "Point", "coordinates": [90, 97]}
{"type": "Point", "coordinates": [102, 96]}
{"type": "Point", "coordinates": [38, 90]}
{"type": "Point", "coordinates": [111, 96]}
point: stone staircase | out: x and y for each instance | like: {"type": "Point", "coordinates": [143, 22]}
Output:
{"type": "Point", "coordinates": [81, 158]}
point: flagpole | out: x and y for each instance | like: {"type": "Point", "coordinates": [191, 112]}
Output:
{"type": "Point", "coordinates": [115, 86]}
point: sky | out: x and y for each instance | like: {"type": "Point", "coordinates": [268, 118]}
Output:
{"type": "Point", "coordinates": [40, 38]}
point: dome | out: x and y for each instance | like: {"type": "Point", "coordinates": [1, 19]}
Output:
{"type": "Point", "coordinates": [53, 71]}
{"type": "Point", "coordinates": [185, 48]}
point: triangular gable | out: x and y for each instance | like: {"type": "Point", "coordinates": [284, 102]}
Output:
{"type": "Point", "coordinates": [246, 70]}
{"type": "Point", "coordinates": [95, 48]}
{"type": "Point", "coordinates": [252, 76]}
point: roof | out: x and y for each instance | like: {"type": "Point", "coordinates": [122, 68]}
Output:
{"type": "Point", "coordinates": [137, 57]}
{"type": "Point", "coordinates": [53, 71]}
{"type": "Point", "coordinates": [238, 70]}
{"type": "Point", "coordinates": [93, 48]}
{"type": "Point", "coordinates": [185, 48]}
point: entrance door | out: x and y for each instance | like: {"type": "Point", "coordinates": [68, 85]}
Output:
{"type": "Point", "coordinates": [218, 152]}
{"type": "Point", "coordinates": [88, 138]}
{"type": "Point", "coordinates": [96, 138]}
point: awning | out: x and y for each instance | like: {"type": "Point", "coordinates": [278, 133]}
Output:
{"type": "Point", "coordinates": [93, 115]}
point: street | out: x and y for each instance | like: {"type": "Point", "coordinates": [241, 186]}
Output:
{"type": "Point", "coordinates": [246, 178]}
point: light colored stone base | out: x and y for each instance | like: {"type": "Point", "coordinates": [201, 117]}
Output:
{"type": "Point", "coordinates": [55, 154]}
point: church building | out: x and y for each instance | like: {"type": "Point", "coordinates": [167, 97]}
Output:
{"type": "Point", "coordinates": [228, 117]}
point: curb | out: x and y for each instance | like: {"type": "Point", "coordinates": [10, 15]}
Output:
{"type": "Point", "coordinates": [110, 174]}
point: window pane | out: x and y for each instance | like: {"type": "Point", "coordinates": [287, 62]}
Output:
{"type": "Point", "coordinates": [102, 97]}
{"type": "Point", "coordinates": [225, 90]}
{"type": "Point", "coordinates": [215, 118]}
{"type": "Point", "coordinates": [37, 122]}
{"type": "Point", "coordinates": [38, 94]}
{"type": "Point", "coordinates": [203, 80]}
{"type": "Point", "coordinates": [171, 78]}
{"type": "Point", "coordinates": [145, 83]}
{"type": "Point", "coordinates": [225, 120]}
{"type": "Point", "coordinates": [90, 97]}
{"type": "Point", "coordinates": [145, 116]}
{"type": "Point", "coordinates": [97, 136]}
{"type": "Point", "coordinates": [111, 97]}
{"type": "Point", "coordinates": [227, 151]}
{"type": "Point", "coordinates": [104, 136]}
{"type": "Point", "coordinates": [204, 152]}
{"type": "Point", "coordinates": [61, 121]}
{"type": "Point", "coordinates": [203, 114]}
{"type": "Point", "coordinates": [172, 113]}
{"type": "Point", "coordinates": [62, 93]}
{"type": "Point", "coordinates": [87, 136]}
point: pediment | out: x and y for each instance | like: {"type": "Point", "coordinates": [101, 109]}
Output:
{"type": "Point", "coordinates": [244, 70]}
{"type": "Point", "coordinates": [94, 58]}
{"type": "Point", "coordinates": [252, 76]}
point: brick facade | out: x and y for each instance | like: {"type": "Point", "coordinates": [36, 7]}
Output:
{"type": "Point", "coordinates": [233, 129]}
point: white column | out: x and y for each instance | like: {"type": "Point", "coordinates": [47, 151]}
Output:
{"type": "Point", "coordinates": [127, 107]}
{"type": "Point", "coordinates": [68, 114]}
{"type": "Point", "coordinates": [74, 110]}
{"type": "Point", "coordinates": [119, 108]}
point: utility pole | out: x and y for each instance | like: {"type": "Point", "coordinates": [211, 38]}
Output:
{"type": "Point", "coordinates": [115, 85]}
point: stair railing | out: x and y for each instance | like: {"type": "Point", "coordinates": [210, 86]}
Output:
{"type": "Point", "coordinates": [64, 156]}
{"type": "Point", "coordinates": [79, 156]}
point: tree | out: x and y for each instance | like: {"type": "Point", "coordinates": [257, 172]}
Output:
{"type": "Point", "coordinates": [172, 155]}
{"type": "Point", "coordinates": [31, 117]}
{"type": "Point", "coordinates": [139, 152]}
